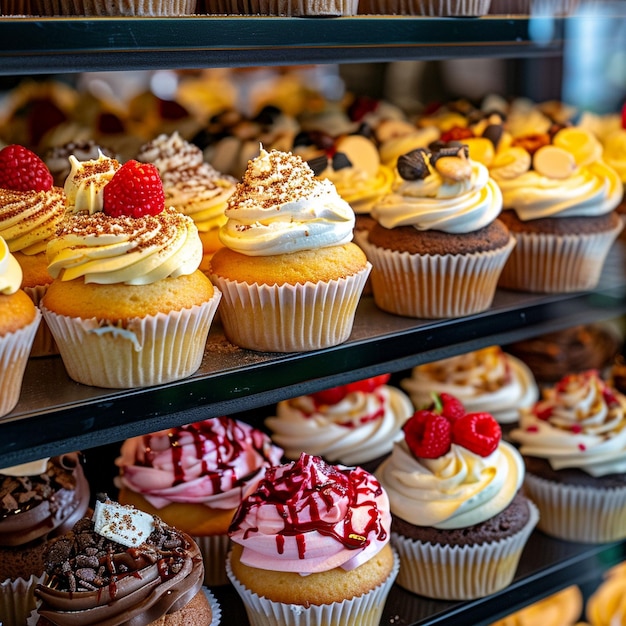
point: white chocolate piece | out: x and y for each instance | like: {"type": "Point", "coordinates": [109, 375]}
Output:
{"type": "Point", "coordinates": [510, 163]}
{"type": "Point", "coordinates": [554, 162]}
{"type": "Point", "coordinates": [123, 524]}
{"type": "Point", "coordinates": [362, 153]}
{"type": "Point", "coordinates": [34, 468]}
{"type": "Point", "coordinates": [454, 168]}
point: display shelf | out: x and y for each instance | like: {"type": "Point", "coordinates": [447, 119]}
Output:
{"type": "Point", "coordinates": [55, 414]}
{"type": "Point", "coordinates": [59, 45]}
{"type": "Point", "coordinates": [547, 565]}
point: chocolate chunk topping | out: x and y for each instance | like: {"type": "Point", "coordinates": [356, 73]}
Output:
{"type": "Point", "coordinates": [494, 132]}
{"type": "Point", "coordinates": [412, 165]}
{"type": "Point", "coordinates": [318, 164]}
{"type": "Point", "coordinates": [340, 161]}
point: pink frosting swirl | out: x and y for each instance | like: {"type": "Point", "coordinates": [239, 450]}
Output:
{"type": "Point", "coordinates": [308, 517]}
{"type": "Point", "coordinates": [215, 462]}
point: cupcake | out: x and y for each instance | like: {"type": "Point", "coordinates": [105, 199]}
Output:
{"type": "Point", "coordinates": [358, 175]}
{"type": "Point", "coordinates": [311, 546]}
{"type": "Point", "coordinates": [432, 8]}
{"type": "Point", "coordinates": [488, 380]}
{"type": "Point", "coordinates": [559, 199]}
{"type": "Point", "coordinates": [286, 8]}
{"type": "Point", "coordinates": [353, 424]}
{"type": "Point", "coordinates": [138, 8]}
{"type": "Point", "coordinates": [460, 521]}
{"type": "Point", "coordinates": [574, 446]}
{"type": "Point", "coordinates": [290, 275]}
{"type": "Point", "coordinates": [191, 186]}
{"type": "Point", "coordinates": [614, 153]}
{"type": "Point", "coordinates": [128, 306]}
{"type": "Point", "coordinates": [562, 608]}
{"type": "Point", "coordinates": [31, 209]}
{"type": "Point", "coordinates": [438, 248]}
{"type": "Point", "coordinates": [40, 501]}
{"type": "Point", "coordinates": [19, 320]}
{"type": "Point", "coordinates": [122, 565]}
{"type": "Point", "coordinates": [551, 356]}
{"type": "Point", "coordinates": [194, 478]}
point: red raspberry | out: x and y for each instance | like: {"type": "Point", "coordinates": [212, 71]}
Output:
{"type": "Point", "coordinates": [451, 408]}
{"type": "Point", "coordinates": [333, 395]}
{"type": "Point", "coordinates": [135, 190]}
{"type": "Point", "coordinates": [368, 384]}
{"type": "Point", "coordinates": [427, 434]}
{"type": "Point", "coordinates": [23, 170]}
{"type": "Point", "coordinates": [478, 432]}
{"type": "Point", "coordinates": [456, 133]}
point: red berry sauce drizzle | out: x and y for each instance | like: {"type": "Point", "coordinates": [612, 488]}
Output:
{"type": "Point", "coordinates": [304, 493]}
{"type": "Point", "coordinates": [227, 441]}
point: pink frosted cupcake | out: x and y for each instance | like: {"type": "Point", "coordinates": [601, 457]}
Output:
{"type": "Point", "coordinates": [574, 446]}
{"type": "Point", "coordinates": [354, 424]}
{"type": "Point", "coordinates": [194, 477]}
{"type": "Point", "coordinates": [460, 522]}
{"type": "Point", "coordinates": [40, 500]}
{"type": "Point", "coordinates": [311, 546]}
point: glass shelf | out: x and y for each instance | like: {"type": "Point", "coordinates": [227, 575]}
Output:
{"type": "Point", "coordinates": [59, 45]}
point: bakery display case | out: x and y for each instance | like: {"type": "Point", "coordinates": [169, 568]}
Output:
{"type": "Point", "coordinates": [57, 415]}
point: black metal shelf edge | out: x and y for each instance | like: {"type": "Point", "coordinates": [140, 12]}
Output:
{"type": "Point", "coordinates": [56, 414]}
{"type": "Point", "coordinates": [60, 45]}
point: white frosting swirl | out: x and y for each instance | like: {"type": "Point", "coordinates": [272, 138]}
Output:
{"type": "Point", "coordinates": [579, 423]}
{"type": "Point", "coordinates": [361, 427]}
{"type": "Point", "coordinates": [437, 203]}
{"type": "Point", "coordinates": [84, 186]}
{"type": "Point", "coordinates": [279, 207]}
{"type": "Point", "coordinates": [456, 490]}
{"type": "Point", "coordinates": [591, 190]}
{"type": "Point", "coordinates": [10, 271]}
{"type": "Point", "coordinates": [483, 380]}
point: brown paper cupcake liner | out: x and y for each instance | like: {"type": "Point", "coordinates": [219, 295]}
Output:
{"type": "Point", "coordinates": [545, 263]}
{"type": "Point", "coordinates": [17, 600]}
{"type": "Point", "coordinates": [14, 350]}
{"type": "Point", "coordinates": [576, 513]}
{"type": "Point", "coordinates": [290, 318]}
{"type": "Point", "coordinates": [460, 572]}
{"type": "Point", "coordinates": [364, 610]}
{"type": "Point", "coordinates": [432, 8]}
{"type": "Point", "coordinates": [151, 350]}
{"type": "Point", "coordinates": [141, 8]}
{"type": "Point", "coordinates": [287, 8]}
{"type": "Point", "coordinates": [435, 286]}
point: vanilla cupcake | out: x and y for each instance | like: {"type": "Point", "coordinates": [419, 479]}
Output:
{"type": "Point", "coordinates": [19, 320]}
{"type": "Point", "coordinates": [460, 521]}
{"type": "Point", "coordinates": [438, 247]}
{"type": "Point", "coordinates": [311, 546]}
{"type": "Point", "coordinates": [559, 200]}
{"type": "Point", "coordinates": [290, 274]}
{"type": "Point", "coordinates": [191, 186]}
{"type": "Point", "coordinates": [574, 446]}
{"type": "Point", "coordinates": [31, 209]}
{"type": "Point", "coordinates": [488, 380]}
{"type": "Point", "coordinates": [194, 478]}
{"type": "Point", "coordinates": [128, 306]}
{"type": "Point", "coordinates": [354, 424]}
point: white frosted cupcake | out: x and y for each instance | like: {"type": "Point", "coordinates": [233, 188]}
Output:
{"type": "Point", "coordinates": [355, 424]}
{"type": "Point", "coordinates": [574, 446]}
{"type": "Point", "coordinates": [311, 546]}
{"type": "Point", "coordinates": [290, 275]}
{"type": "Point", "coordinates": [128, 306]}
{"type": "Point", "coordinates": [460, 522]}
{"type": "Point", "coordinates": [483, 380]}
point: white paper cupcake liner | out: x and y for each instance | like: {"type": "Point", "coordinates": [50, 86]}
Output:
{"type": "Point", "coordinates": [140, 8]}
{"type": "Point", "coordinates": [578, 513]}
{"type": "Point", "coordinates": [432, 8]}
{"type": "Point", "coordinates": [365, 610]}
{"type": "Point", "coordinates": [460, 572]}
{"type": "Point", "coordinates": [17, 600]}
{"type": "Point", "coordinates": [545, 263]}
{"type": "Point", "coordinates": [287, 8]}
{"type": "Point", "coordinates": [43, 344]}
{"type": "Point", "coordinates": [435, 286]}
{"type": "Point", "coordinates": [214, 550]}
{"type": "Point", "coordinates": [290, 318]}
{"type": "Point", "coordinates": [151, 350]}
{"type": "Point", "coordinates": [14, 350]}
